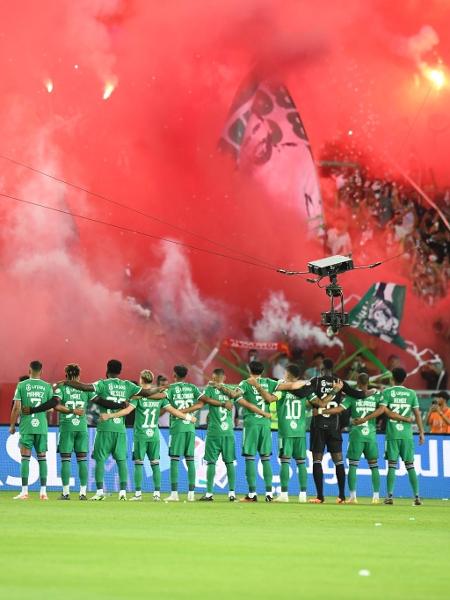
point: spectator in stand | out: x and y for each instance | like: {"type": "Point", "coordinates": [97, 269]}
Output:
{"type": "Point", "coordinates": [315, 370]}
{"type": "Point", "coordinates": [435, 375]}
{"type": "Point", "coordinates": [438, 417]}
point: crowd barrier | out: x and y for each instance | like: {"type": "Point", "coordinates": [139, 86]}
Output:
{"type": "Point", "coordinates": [432, 461]}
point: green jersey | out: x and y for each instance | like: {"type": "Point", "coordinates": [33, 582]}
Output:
{"type": "Point", "coordinates": [402, 401]}
{"type": "Point", "coordinates": [33, 393]}
{"type": "Point", "coordinates": [360, 408]}
{"type": "Point", "coordinates": [182, 395]}
{"type": "Point", "coordinates": [72, 398]}
{"type": "Point", "coordinates": [291, 412]}
{"type": "Point", "coordinates": [146, 416]}
{"type": "Point", "coordinates": [220, 419]}
{"type": "Point", "coordinates": [252, 395]}
{"type": "Point", "coordinates": [117, 390]}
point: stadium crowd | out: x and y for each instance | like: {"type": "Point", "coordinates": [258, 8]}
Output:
{"type": "Point", "coordinates": [386, 207]}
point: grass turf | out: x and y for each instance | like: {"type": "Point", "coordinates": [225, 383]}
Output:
{"type": "Point", "coordinates": [115, 549]}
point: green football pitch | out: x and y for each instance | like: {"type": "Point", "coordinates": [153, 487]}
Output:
{"type": "Point", "coordinates": [115, 549]}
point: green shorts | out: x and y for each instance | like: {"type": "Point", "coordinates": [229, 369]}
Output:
{"type": "Point", "coordinates": [182, 444]}
{"type": "Point", "coordinates": [220, 444]}
{"type": "Point", "coordinates": [70, 441]}
{"type": "Point", "coordinates": [143, 446]}
{"type": "Point", "coordinates": [257, 439]}
{"type": "Point", "coordinates": [356, 448]}
{"type": "Point", "coordinates": [401, 447]}
{"type": "Point", "coordinates": [292, 447]}
{"type": "Point", "coordinates": [110, 442]}
{"type": "Point", "coordinates": [38, 441]}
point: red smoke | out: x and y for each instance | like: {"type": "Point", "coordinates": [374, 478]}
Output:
{"type": "Point", "coordinates": [152, 146]}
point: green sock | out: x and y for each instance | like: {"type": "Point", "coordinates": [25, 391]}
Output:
{"type": "Point", "coordinates": [231, 474]}
{"type": "Point", "coordinates": [267, 474]}
{"type": "Point", "coordinates": [302, 477]}
{"type": "Point", "coordinates": [83, 471]}
{"type": "Point", "coordinates": [352, 478]}
{"type": "Point", "coordinates": [210, 474]}
{"type": "Point", "coordinates": [375, 479]}
{"type": "Point", "coordinates": [123, 473]}
{"type": "Point", "coordinates": [99, 473]}
{"type": "Point", "coordinates": [284, 476]}
{"type": "Point", "coordinates": [191, 474]}
{"type": "Point", "coordinates": [413, 481]}
{"type": "Point", "coordinates": [250, 474]}
{"type": "Point", "coordinates": [25, 470]}
{"type": "Point", "coordinates": [390, 480]}
{"type": "Point", "coordinates": [174, 475]}
{"type": "Point", "coordinates": [43, 471]}
{"type": "Point", "coordinates": [138, 475]}
{"type": "Point", "coordinates": [65, 472]}
{"type": "Point", "coordinates": [156, 470]}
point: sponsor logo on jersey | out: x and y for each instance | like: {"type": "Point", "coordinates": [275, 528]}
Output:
{"type": "Point", "coordinates": [399, 427]}
{"type": "Point", "coordinates": [116, 420]}
{"type": "Point", "coordinates": [75, 422]}
{"type": "Point", "coordinates": [224, 426]}
{"type": "Point", "coordinates": [293, 425]}
{"type": "Point", "coordinates": [149, 432]}
{"type": "Point", "coordinates": [365, 431]}
{"type": "Point", "coordinates": [28, 387]}
{"type": "Point", "coordinates": [34, 422]}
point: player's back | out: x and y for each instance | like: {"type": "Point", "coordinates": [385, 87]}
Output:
{"type": "Point", "coordinates": [403, 401]}
{"type": "Point", "coordinates": [220, 419]}
{"type": "Point", "coordinates": [180, 395]}
{"type": "Point", "coordinates": [323, 386]}
{"type": "Point", "coordinates": [147, 412]}
{"type": "Point", "coordinates": [251, 394]}
{"type": "Point", "coordinates": [71, 399]}
{"type": "Point", "coordinates": [32, 393]}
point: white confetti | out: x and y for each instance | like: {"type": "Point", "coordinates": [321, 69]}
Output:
{"type": "Point", "coordinates": [378, 524]}
{"type": "Point", "coordinates": [364, 573]}
{"type": "Point", "coordinates": [412, 518]}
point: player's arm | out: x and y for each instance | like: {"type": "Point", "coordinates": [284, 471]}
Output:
{"type": "Point", "coordinates": [214, 402]}
{"type": "Point", "coordinates": [373, 415]}
{"type": "Point", "coordinates": [321, 403]}
{"type": "Point", "coordinates": [79, 385]}
{"type": "Point", "coordinates": [44, 407]}
{"type": "Point", "coordinates": [234, 394]}
{"type": "Point", "coordinates": [253, 408]}
{"type": "Point", "coordinates": [152, 391]}
{"type": "Point", "coordinates": [267, 396]}
{"type": "Point", "coordinates": [120, 413]}
{"type": "Point", "coordinates": [109, 403]}
{"type": "Point", "coordinates": [291, 385]}
{"type": "Point", "coordinates": [15, 412]}
{"type": "Point", "coordinates": [182, 415]}
{"type": "Point", "coordinates": [68, 411]}
{"type": "Point", "coordinates": [419, 425]}
{"type": "Point", "coordinates": [353, 392]}
{"type": "Point", "coordinates": [190, 409]}
{"type": "Point", "coordinates": [336, 410]}
{"type": "Point", "coordinates": [394, 416]}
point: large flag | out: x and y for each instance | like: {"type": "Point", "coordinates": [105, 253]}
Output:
{"type": "Point", "coordinates": [380, 312]}
{"type": "Point", "coordinates": [265, 135]}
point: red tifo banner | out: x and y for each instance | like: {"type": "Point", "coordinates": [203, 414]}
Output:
{"type": "Point", "coordinates": [246, 345]}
